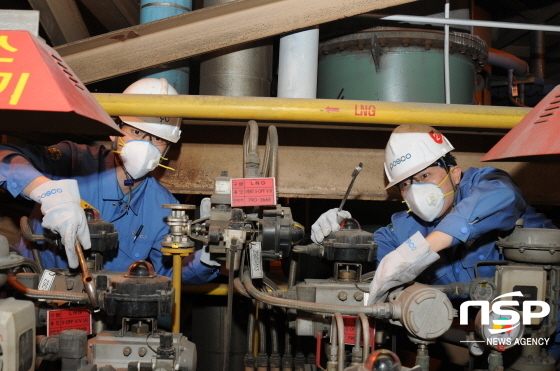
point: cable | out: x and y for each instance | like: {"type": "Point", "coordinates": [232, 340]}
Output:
{"type": "Point", "coordinates": [148, 344]}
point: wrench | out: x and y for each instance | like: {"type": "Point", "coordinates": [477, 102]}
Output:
{"type": "Point", "coordinates": [354, 175]}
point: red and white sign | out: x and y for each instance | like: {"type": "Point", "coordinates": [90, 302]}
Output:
{"type": "Point", "coordinates": [253, 192]}
{"type": "Point", "coordinates": [68, 319]}
{"type": "Point", "coordinates": [350, 331]}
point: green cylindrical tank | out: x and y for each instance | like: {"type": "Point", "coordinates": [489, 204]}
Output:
{"type": "Point", "coordinates": [399, 65]}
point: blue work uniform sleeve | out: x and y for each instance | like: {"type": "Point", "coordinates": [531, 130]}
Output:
{"type": "Point", "coordinates": [490, 201]}
{"type": "Point", "coordinates": [196, 272]}
{"type": "Point", "coordinates": [18, 166]}
{"type": "Point", "coordinates": [386, 240]}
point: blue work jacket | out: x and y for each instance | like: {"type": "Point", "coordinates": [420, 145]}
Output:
{"type": "Point", "coordinates": [488, 204]}
{"type": "Point", "coordinates": [94, 168]}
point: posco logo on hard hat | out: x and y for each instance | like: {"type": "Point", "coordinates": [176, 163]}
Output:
{"type": "Point", "coordinates": [399, 160]}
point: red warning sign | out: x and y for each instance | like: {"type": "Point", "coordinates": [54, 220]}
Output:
{"type": "Point", "coordinates": [253, 192]}
{"type": "Point", "coordinates": [68, 319]}
{"type": "Point", "coordinates": [350, 331]}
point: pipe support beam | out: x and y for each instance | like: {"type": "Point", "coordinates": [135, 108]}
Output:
{"type": "Point", "coordinates": [311, 110]}
{"type": "Point", "coordinates": [151, 44]}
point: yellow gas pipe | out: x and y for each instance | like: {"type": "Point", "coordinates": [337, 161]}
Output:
{"type": "Point", "coordinates": [311, 110]}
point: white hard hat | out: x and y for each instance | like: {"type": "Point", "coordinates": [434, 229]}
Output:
{"type": "Point", "coordinates": [412, 148]}
{"type": "Point", "coordinates": [168, 128]}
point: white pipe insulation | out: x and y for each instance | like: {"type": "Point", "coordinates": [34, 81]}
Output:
{"type": "Point", "coordinates": [297, 66]}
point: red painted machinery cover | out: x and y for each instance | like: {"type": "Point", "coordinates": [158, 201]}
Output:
{"type": "Point", "coordinates": [40, 93]}
{"type": "Point", "coordinates": [537, 134]}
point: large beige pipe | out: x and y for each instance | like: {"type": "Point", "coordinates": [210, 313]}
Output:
{"type": "Point", "coordinates": [311, 110]}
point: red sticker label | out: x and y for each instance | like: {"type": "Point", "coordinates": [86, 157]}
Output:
{"type": "Point", "coordinates": [437, 137]}
{"type": "Point", "coordinates": [253, 192]}
{"type": "Point", "coordinates": [68, 319]}
{"type": "Point", "coordinates": [350, 330]}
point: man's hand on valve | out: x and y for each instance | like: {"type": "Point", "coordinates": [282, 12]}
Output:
{"type": "Point", "coordinates": [400, 266]}
{"type": "Point", "coordinates": [327, 223]}
{"type": "Point", "coordinates": [60, 205]}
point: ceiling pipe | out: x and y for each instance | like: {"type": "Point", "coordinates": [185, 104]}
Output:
{"type": "Point", "coordinates": [508, 61]}
{"type": "Point", "coordinates": [537, 56]}
{"type": "Point", "coordinates": [243, 70]}
{"type": "Point", "coordinates": [446, 57]}
{"type": "Point", "coordinates": [469, 22]}
{"type": "Point", "coordinates": [177, 74]}
{"type": "Point", "coordinates": [311, 110]}
{"type": "Point", "coordinates": [297, 64]}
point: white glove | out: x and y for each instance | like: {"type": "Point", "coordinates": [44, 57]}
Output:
{"type": "Point", "coordinates": [60, 205]}
{"type": "Point", "coordinates": [327, 223]}
{"type": "Point", "coordinates": [401, 266]}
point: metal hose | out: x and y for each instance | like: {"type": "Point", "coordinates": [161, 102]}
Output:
{"type": "Point", "coordinates": [240, 288]}
{"type": "Point", "coordinates": [293, 271]}
{"type": "Point", "coordinates": [270, 162]}
{"type": "Point", "coordinates": [357, 341]}
{"type": "Point", "coordinates": [44, 294]}
{"type": "Point", "coordinates": [365, 330]}
{"type": "Point", "coordinates": [375, 310]}
{"type": "Point", "coordinates": [250, 150]}
{"type": "Point", "coordinates": [273, 331]}
{"type": "Point", "coordinates": [337, 334]}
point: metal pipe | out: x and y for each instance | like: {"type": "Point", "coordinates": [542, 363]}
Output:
{"type": "Point", "coordinates": [297, 64]}
{"type": "Point", "coordinates": [274, 359]}
{"type": "Point", "coordinates": [229, 307]}
{"type": "Point", "coordinates": [250, 150]}
{"type": "Point", "coordinates": [446, 56]}
{"type": "Point", "coordinates": [135, 48]}
{"type": "Point", "coordinates": [44, 294]}
{"type": "Point", "coordinates": [37, 258]}
{"type": "Point", "coordinates": [87, 279]}
{"type": "Point", "coordinates": [356, 357]}
{"type": "Point", "coordinates": [262, 357]}
{"type": "Point", "coordinates": [508, 61]}
{"type": "Point", "coordinates": [292, 274]}
{"type": "Point", "coordinates": [537, 56]}
{"type": "Point", "coordinates": [176, 282]}
{"type": "Point", "coordinates": [338, 335]}
{"type": "Point", "coordinates": [249, 357]}
{"type": "Point", "coordinates": [365, 329]}
{"type": "Point", "coordinates": [378, 309]}
{"type": "Point", "coordinates": [511, 86]}
{"type": "Point", "coordinates": [177, 74]}
{"type": "Point", "coordinates": [470, 22]}
{"type": "Point", "coordinates": [310, 110]}
{"type": "Point", "coordinates": [287, 359]}
{"type": "Point", "coordinates": [270, 161]}
{"type": "Point", "coordinates": [242, 70]}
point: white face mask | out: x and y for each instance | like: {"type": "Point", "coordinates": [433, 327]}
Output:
{"type": "Point", "coordinates": [140, 157]}
{"type": "Point", "coordinates": [426, 200]}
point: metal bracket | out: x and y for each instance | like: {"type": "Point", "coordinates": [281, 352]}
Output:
{"type": "Point", "coordinates": [376, 53]}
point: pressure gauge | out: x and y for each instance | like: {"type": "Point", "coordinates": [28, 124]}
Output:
{"type": "Point", "coordinates": [482, 288]}
{"type": "Point", "coordinates": [476, 348]}
{"type": "Point", "coordinates": [496, 334]}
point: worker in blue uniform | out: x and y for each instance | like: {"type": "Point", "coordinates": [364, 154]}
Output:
{"type": "Point", "coordinates": [115, 181]}
{"type": "Point", "coordinates": [454, 217]}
